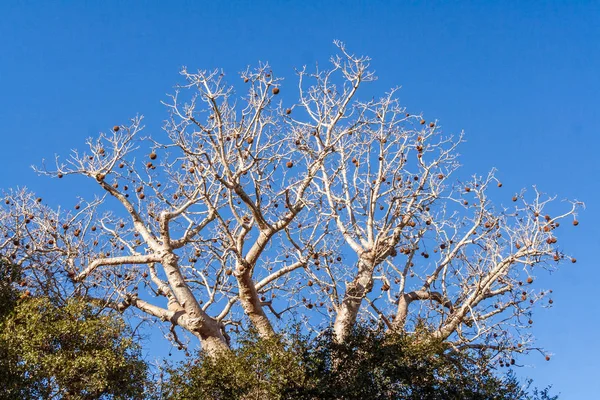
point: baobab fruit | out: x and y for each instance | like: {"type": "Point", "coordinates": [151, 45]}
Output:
{"type": "Point", "coordinates": [39, 200]}
{"type": "Point", "coordinates": [514, 198]}
{"type": "Point", "coordinates": [432, 124]}
{"type": "Point", "coordinates": [246, 80]}
{"type": "Point", "coordinates": [530, 322]}
{"type": "Point", "coordinates": [547, 358]}
{"type": "Point", "coordinates": [288, 111]}
{"type": "Point", "coordinates": [441, 176]}
{"type": "Point", "coordinates": [142, 196]}
{"type": "Point", "coordinates": [59, 175]}
{"type": "Point", "coordinates": [121, 165]}
{"type": "Point", "coordinates": [422, 122]}
{"type": "Point", "coordinates": [152, 156]}
{"type": "Point", "coordinates": [338, 258]}
{"type": "Point", "coordinates": [116, 128]}
{"type": "Point", "coordinates": [77, 207]}
{"type": "Point", "coordinates": [309, 283]}
{"type": "Point", "coordinates": [550, 301]}
{"type": "Point", "coordinates": [385, 287]}
{"type": "Point", "coordinates": [250, 140]}
{"type": "Point", "coordinates": [530, 280]}
{"type": "Point", "coordinates": [65, 227]}
{"type": "Point", "coordinates": [275, 90]}
{"type": "Point", "coordinates": [289, 164]}
{"type": "Point", "coordinates": [573, 260]}
{"type": "Point", "coordinates": [575, 223]}
{"type": "Point", "coordinates": [149, 165]}
{"type": "Point", "coordinates": [467, 189]}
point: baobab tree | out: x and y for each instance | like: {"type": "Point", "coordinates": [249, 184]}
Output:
{"type": "Point", "coordinates": [257, 209]}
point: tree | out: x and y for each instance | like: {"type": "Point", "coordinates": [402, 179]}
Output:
{"type": "Point", "coordinates": [253, 209]}
{"type": "Point", "coordinates": [370, 364]}
{"type": "Point", "coordinates": [67, 351]}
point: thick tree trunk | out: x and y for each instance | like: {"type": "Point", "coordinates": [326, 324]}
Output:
{"type": "Point", "coordinates": [355, 293]}
{"type": "Point", "coordinates": [253, 307]}
{"type": "Point", "coordinates": [197, 321]}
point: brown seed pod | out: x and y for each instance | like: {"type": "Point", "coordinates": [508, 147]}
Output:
{"type": "Point", "coordinates": [116, 128]}
{"type": "Point", "coordinates": [275, 90]}
{"type": "Point", "coordinates": [467, 189]}
{"type": "Point", "coordinates": [573, 260]}
{"type": "Point", "coordinates": [422, 122]}
{"type": "Point", "coordinates": [575, 222]}
{"type": "Point", "coordinates": [530, 280]}
{"type": "Point", "coordinates": [288, 111]}
{"type": "Point", "coordinates": [499, 184]}
{"type": "Point", "coordinates": [59, 175]}
{"type": "Point", "coordinates": [547, 358]}
{"type": "Point", "coordinates": [289, 164]}
{"type": "Point", "coordinates": [152, 156]}
{"type": "Point", "coordinates": [514, 198]}
{"type": "Point", "coordinates": [431, 124]}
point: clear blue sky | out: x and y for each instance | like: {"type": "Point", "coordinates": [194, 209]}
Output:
{"type": "Point", "coordinates": [521, 78]}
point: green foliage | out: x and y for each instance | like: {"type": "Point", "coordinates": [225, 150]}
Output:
{"type": "Point", "coordinates": [370, 365]}
{"type": "Point", "coordinates": [70, 351]}
{"type": "Point", "coordinates": [9, 274]}
{"type": "Point", "coordinates": [257, 369]}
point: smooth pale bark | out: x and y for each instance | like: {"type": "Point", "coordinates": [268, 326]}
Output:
{"type": "Point", "coordinates": [197, 321]}
{"type": "Point", "coordinates": [347, 312]}
{"type": "Point", "coordinates": [252, 306]}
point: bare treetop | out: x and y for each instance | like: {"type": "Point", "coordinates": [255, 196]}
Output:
{"type": "Point", "coordinates": [257, 209]}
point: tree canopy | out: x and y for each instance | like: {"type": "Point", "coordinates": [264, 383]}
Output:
{"type": "Point", "coordinates": [257, 209]}
{"type": "Point", "coordinates": [65, 350]}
